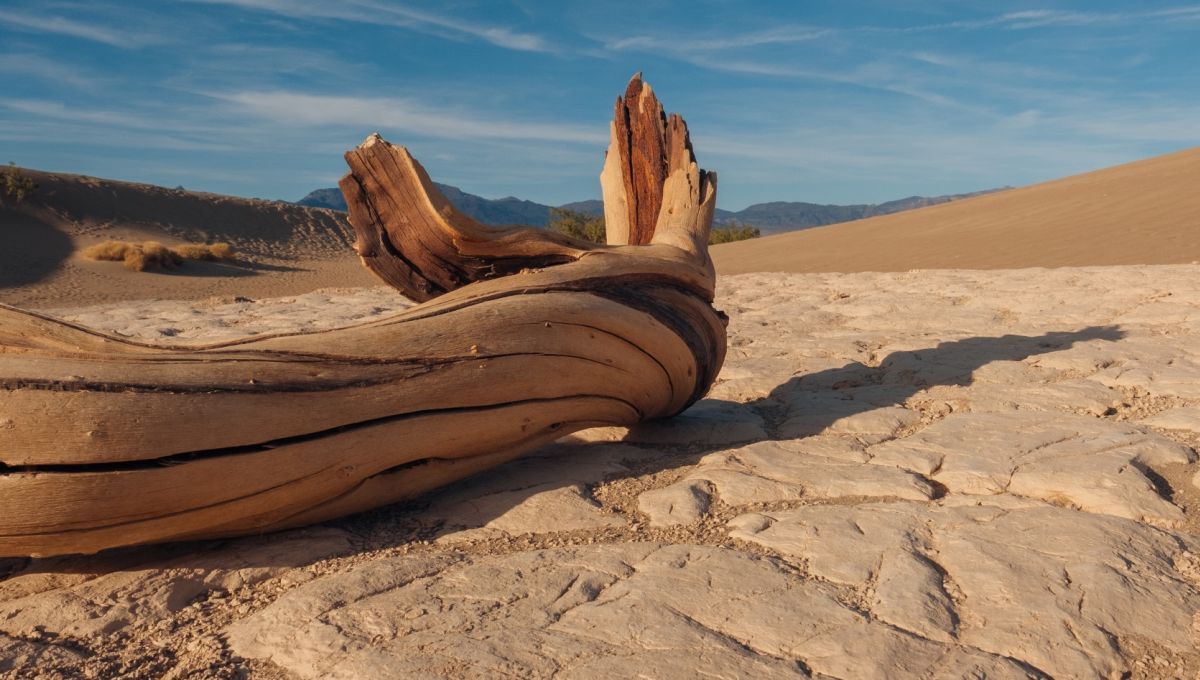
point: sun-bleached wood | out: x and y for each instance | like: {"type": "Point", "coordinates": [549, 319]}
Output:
{"type": "Point", "coordinates": [524, 336]}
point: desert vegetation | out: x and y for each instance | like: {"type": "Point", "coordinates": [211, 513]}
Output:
{"type": "Point", "coordinates": [152, 255]}
{"type": "Point", "coordinates": [591, 228]}
{"type": "Point", "coordinates": [579, 225]}
{"type": "Point", "coordinates": [17, 185]}
{"type": "Point", "coordinates": [733, 231]}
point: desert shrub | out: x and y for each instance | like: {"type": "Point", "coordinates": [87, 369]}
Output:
{"type": "Point", "coordinates": [135, 260]}
{"type": "Point", "coordinates": [17, 185]}
{"type": "Point", "coordinates": [209, 252]}
{"type": "Point", "coordinates": [132, 254]}
{"type": "Point", "coordinates": [577, 224]}
{"type": "Point", "coordinates": [157, 256]}
{"type": "Point", "coordinates": [590, 228]}
{"type": "Point", "coordinates": [734, 231]}
{"type": "Point", "coordinates": [139, 257]}
{"type": "Point", "coordinates": [109, 250]}
{"type": "Point", "coordinates": [136, 257]}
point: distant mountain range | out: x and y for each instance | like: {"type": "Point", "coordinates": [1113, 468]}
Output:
{"type": "Point", "coordinates": [487, 210]}
{"type": "Point", "coordinates": [777, 216]}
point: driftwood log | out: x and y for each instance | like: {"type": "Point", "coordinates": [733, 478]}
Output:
{"type": "Point", "coordinates": [524, 336]}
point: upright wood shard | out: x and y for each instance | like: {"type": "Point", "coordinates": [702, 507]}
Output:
{"type": "Point", "coordinates": [524, 336]}
{"type": "Point", "coordinates": [640, 145]}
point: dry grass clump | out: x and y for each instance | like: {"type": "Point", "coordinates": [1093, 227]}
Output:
{"type": "Point", "coordinates": [208, 252]}
{"type": "Point", "coordinates": [139, 257]}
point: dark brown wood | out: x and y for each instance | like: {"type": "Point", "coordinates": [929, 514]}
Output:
{"type": "Point", "coordinates": [641, 134]}
{"type": "Point", "coordinates": [417, 241]}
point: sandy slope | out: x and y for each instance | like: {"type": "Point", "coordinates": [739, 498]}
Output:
{"type": "Point", "coordinates": [1146, 212]}
{"type": "Point", "coordinates": [1141, 213]}
{"type": "Point", "coordinates": [938, 474]}
{"type": "Point", "coordinates": [286, 249]}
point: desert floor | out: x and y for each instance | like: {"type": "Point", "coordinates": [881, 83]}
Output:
{"type": "Point", "coordinates": [933, 474]}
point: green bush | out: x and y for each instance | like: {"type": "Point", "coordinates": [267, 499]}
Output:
{"type": "Point", "coordinates": [577, 225]}
{"type": "Point", "coordinates": [588, 228]}
{"type": "Point", "coordinates": [734, 231]}
{"type": "Point", "coordinates": [17, 185]}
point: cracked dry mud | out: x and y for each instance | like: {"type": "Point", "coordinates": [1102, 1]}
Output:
{"type": "Point", "coordinates": [944, 474]}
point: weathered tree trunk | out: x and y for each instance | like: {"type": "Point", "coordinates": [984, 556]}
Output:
{"type": "Point", "coordinates": [524, 336]}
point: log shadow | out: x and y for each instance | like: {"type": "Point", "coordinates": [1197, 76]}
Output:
{"type": "Point", "coordinates": [204, 555]}
{"type": "Point", "coordinates": [896, 378]}
{"type": "Point", "coordinates": [226, 269]}
{"type": "Point", "coordinates": [906, 373]}
{"type": "Point", "coordinates": [471, 503]}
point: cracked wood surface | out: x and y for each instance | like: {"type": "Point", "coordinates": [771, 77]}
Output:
{"type": "Point", "coordinates": [524, 336]}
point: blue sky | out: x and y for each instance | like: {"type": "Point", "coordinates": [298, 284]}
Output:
{"type": "Point", "coordinates": [830, 102]}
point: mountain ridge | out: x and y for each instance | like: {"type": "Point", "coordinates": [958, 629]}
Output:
{"type": "Point", "coordinates": [772, 217]}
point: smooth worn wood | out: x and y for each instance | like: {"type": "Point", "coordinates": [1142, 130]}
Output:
{"type": "Point", "coordinates": [525, 336]}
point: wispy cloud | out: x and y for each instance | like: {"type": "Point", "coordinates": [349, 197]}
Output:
{"type": "Point", "coordinates": [80, 135]}
{"type": "Point", "coordinates": [1042, 18]}
{"type": "Point", "coordinates": [40, 23]}
{"type": "Point", "coordinates": [497, 35]}
{"type": "Point", "coordinates": [37, 67]}
{"type": "Point", "coordinates": [303, 109]}
{"type": "Point", "coordinates": [1047, 17]}
{"type": "Point", "coordinates": [380, 14]}
{"type": "Point", "coordinates": [677, 43]}
{"type": "Point", "coordinates": [875, 76]}
{"type": "Point", "coordinates": [725, 55]}
{"type": "Point", "coordinates": [240, 65]}
{"type": "Point", "coordinates": [42, 108]}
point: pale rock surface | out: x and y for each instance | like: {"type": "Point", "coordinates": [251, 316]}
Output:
{"type": "Point", "coordinates": [1178, 418]}
{"type": "Point", "coordinates": [682, 503]}
{"type": "Point", "coordinates": [620, 610]}
{"type": "Point", "coordinates": [784, 471]}
{"type": "Point", "coordinates": [123, 588]}
{"type": "Point", "coordinates": [948, 474]}
{"type": "Point", "coordinates": [544, 492]}
{"type": "Point", "coordinates": [1061, 458]}
{"type": "Point", "coordinates": [950, 571]}
{"type": "Point", "coordinates": [222, 319]}
{"type": "Point", "coordinates": [709, 422]}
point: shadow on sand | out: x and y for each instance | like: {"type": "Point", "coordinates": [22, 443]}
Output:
{"type": "Point", "coordinates": [30, 249]}
{"type": "Point", "coordinates": [229, 268]}
{"type": "Point", "coordinates": [903, 374]}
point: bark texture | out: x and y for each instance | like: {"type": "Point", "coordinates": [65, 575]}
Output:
{"type": "Point", "coordinates": [524, 336]}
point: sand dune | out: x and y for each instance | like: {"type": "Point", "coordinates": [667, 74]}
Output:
{"type": "Point", "coordinates": [301, 248]}
{"type": "Point", "coordinates": [1140, 213]}
{"type": "Point", "coordinates": [1147, 212]}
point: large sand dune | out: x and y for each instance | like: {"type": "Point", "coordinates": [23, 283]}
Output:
{"type": "Point", "coordinates": [1146, 212]}
{"type": "Point", "coordinates": [1141, 213]}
